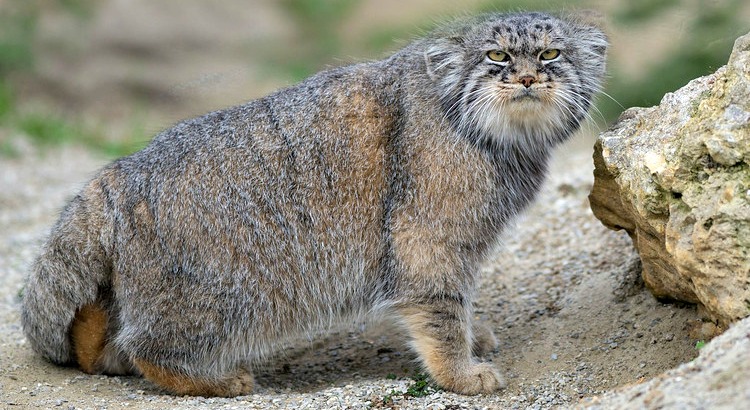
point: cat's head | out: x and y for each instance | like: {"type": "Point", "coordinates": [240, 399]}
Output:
{"type": "Point", "coordinates": [527, 77]}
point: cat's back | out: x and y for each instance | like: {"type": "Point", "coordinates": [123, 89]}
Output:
{"type": "Point", "coordinates": [344, 105]}
{"type": "Point", "coordinates": [303, 169]}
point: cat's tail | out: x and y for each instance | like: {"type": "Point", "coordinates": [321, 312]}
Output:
{"type": "Point", "coordinates": [68, 275]}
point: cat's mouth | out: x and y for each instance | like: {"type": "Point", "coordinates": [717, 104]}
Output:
{"type": "Point", "coordinates": [526, 95]}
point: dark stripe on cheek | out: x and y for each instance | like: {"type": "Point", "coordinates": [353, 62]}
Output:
{"type": "Point", "coordinates": [494, 71]}
{"type": "Point", "coordinates": [473, 94]}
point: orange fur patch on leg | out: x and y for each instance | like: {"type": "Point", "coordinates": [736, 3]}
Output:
{"type": "Point", "coordinates": [236, 384]}
{"type": "Point", "coordinates": [88, 334]}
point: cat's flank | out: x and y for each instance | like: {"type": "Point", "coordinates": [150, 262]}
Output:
{"type": "Point", "coordinates": [376, 188]}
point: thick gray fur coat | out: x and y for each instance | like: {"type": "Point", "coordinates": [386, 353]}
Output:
{"type": "Point", "coordinates": [376, 188]}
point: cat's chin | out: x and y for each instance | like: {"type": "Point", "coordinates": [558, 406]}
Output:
{"type": "Point", "coordinates": [531, 119]}
{"type": "Point", "coordinates": [525, 111]}
{"type": "Point", "coordinates": [526, 105]}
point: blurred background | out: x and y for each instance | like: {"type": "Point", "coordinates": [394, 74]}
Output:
{"type": "Point", "coordinates": [109, 74]}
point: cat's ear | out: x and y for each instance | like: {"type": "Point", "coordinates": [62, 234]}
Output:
{"type": "Point", "coordinates": [590, 27]}
{"type": "Point", "coordinates": [443, 56]}
{"type": "Point", "coordinates": [588, 16]}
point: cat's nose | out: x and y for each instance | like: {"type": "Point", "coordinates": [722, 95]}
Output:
{"type": "Point", "coordinates": [527, 80]}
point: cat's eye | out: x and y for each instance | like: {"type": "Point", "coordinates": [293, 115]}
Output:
{"type": "Point", "coordinates": [498, 56]}
{"type": "Point", "coordinates": [550, 54]}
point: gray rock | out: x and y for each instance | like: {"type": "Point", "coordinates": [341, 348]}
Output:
{"type": "Point", "coordinates": [676, 177]}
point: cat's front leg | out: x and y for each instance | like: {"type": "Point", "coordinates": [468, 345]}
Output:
{"type": "Point", "coordinates": [439, 326]}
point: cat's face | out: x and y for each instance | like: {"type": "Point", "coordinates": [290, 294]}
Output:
{"type": "Point", "coordinates": [523, 76]}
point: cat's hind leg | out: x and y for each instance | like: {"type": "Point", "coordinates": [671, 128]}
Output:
{"type": "Point", "coordinates": [238, 383]}
{"type": "Point", "coordinates": [93, 350]}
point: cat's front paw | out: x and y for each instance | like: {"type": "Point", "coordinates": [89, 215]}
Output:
{"type": "Point", "coordinates": [480, 378]}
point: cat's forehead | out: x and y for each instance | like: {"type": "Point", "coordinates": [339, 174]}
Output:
{"type": "Point", "coordinates": [522, 31]}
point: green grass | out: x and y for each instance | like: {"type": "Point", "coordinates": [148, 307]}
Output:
{"type": "Point", "coordinates": [7, 99]}
{"type": "Point", "coordinates": [48, 130]}
{"type": "Point", "coordinates": [420, 386]}
{"type": "Point", "coordinates": [388, 398]}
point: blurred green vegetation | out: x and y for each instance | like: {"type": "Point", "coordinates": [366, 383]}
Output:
{"type": "Point", "coordinates": [18, 28]}
{"type": "Point", "coordinates": [709, 31]}
{"type": "Point", "coordinates": [18, 25]}
{"type": "Point", "coordinates": [635, 11]}
{"type": "Point", "coordinates": [317, 22]}
{"type": "Point", "coordinates": [712, 28]}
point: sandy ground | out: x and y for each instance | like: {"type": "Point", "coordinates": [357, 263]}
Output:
{"type": "Point", "coordinates": [563, 297]}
